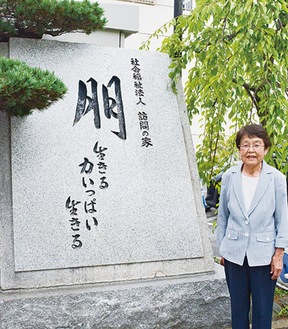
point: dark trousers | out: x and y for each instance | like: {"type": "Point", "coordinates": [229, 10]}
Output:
{"type": "Point", "coordinates": [255, 282]}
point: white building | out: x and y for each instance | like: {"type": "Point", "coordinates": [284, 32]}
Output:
{"type": "Point", "coordinates": [130, 22]}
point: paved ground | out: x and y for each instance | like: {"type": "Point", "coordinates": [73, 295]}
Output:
{"type": "Point", "coordinates": [280, 324]}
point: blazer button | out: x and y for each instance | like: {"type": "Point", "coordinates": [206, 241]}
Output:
{"type": "Point", "coordinates": [246, 222]}
{"type": "Point", "coordinates": [246, 234]}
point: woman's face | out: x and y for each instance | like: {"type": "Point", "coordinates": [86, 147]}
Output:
{"type": "Point", "coordinates": [252, 151]}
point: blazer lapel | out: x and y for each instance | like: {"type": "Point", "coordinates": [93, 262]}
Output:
{"type": "Point", "coordinates": [262, 186]}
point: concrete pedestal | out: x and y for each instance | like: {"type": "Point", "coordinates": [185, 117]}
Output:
{"type": "Point", "coordinates": [190, 302]}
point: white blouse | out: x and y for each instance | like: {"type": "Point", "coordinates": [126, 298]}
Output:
{"type": "Point", "coordinates": [249, 185]}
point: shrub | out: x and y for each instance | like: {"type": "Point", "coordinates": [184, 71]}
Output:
{"type": "Point", "coordinates": [32, 19]}
{"type": "Point", "coordinates": [23, 88]}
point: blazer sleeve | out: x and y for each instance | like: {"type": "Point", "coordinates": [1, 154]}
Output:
{"type": "Point", "coordinates": [281, 213]}
{"type": "Point", "coordinates": [223, 211]}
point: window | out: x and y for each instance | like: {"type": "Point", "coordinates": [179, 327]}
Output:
{"type": "Point", "coordinates": [187, 4]}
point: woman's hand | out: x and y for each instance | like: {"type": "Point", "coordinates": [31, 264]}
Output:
{"type": "Point", "coordinates": [222, 261]}
{"type": "Point", "coordinates": [277, 263]}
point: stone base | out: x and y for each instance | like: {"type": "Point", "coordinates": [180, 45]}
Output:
{"type": "Point", "coordinates": [198, 301]}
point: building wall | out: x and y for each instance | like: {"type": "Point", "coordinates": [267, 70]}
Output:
{"type": "Point", "coordinates": [123, 20]}
{"type": "Point", "coordinates": [152, 17]}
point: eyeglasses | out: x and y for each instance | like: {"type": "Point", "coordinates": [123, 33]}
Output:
{"type": "Point", "coordinates": [255, 147]}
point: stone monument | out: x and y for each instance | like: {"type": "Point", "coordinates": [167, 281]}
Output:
{"type": "Point", "coordinates": [102, 224]}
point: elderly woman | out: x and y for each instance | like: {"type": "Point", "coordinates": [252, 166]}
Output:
{"type": "Point", "coordinates": [252, 229]}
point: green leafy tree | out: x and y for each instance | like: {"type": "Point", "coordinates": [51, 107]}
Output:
{"type": "Point", "coordinates": [235, 53]}
{"type": "Point", "coordinates": [23, 88]}
{"type": "Point", "coordinates": [32, 19]}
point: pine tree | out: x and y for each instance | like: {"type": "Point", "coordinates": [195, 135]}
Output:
{"type": "Point", "coordinates": [32, 19]}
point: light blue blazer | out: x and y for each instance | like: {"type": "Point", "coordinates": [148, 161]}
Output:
{"type": "Point", "coordinates": [255, 233]}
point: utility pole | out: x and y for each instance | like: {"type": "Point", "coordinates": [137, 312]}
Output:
{"type": "Point", "coordinates": [178, 8]}
{"type": "Point", "coordinates": [178, 11]}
